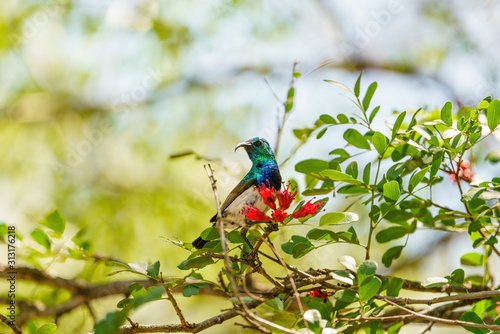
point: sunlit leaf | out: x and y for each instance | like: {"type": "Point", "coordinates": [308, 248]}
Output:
{"type": "Point", "coordinates": [332, 218]}
{"type": "Point", "coordinates": [353, 137]}
{"type": "Point", "coordinates": [493, 114]}
{"type": "Point", "coordinates": [46, 329]}
{"type": "Point", "coordinates": [446, 113]}
{"type": "Point", "coordinates": [379, 142]}
{"type": "Point", "coordinates": [369, 94]}
{"type": "Point", "coordinates": [55, 222]}
{"type": "Point", "coordinates": [391, 191]}
{"type": "Point", "coordinates": [369, 288]}
{"type": "Point", "coordinates": [340, 85]}
{"type": "Point", "coordinates": [474, 318]}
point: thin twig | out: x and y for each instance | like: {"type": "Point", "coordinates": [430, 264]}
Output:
{"type": "Point", "coordinates": [11, 324]}
{"type": "Point", "coordinates": [172, 300]}
{"type": "Point", "coordinates": [428, 327]}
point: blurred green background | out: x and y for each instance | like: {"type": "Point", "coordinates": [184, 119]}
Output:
{"type": "Point", "coordinates": [96, 95]}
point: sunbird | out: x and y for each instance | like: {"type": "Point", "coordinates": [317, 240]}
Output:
{"type": "Point", "coordinates": [264, 171]}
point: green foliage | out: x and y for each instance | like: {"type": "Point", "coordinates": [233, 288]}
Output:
{"type": "Point", "coordinates": [390, 198]}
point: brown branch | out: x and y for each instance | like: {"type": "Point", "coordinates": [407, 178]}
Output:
{"type": "Point", "coordinates": [175, 328]}
{"type": "Point", "coordinates": [11, 324]}
{"type": "Point", "coordinates": [446, 321]}
{"type": "Point", "coordinates": [172, 300]}
{"type": "Point", "coordinates": [417, 286]}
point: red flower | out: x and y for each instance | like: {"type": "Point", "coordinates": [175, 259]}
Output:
{"type": "Point", "coordinates": [317, 293]}
{"type": "Point", "coordinates": [285, 197]}
{"type": "Point", "coordinates": [308, 209]}
{"type": "Point", "coordinates": [267, 195]}
{"type": "Point", "coordinates": [252, 213]}
{"type": "Point", "coordinates": [498, 308]}
{"type": "Point", "coordinates": [279, 215]}
{"type": "Point", "coordinates": [464, 172]}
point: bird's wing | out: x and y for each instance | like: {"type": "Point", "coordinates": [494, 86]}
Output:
{"type": "Point", "coordinates": [237, 191]}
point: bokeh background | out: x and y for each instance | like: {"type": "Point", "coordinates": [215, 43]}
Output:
{"type": "Point", "coordinates": [95, 96]}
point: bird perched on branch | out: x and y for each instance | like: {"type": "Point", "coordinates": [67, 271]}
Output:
{"type": "Point", "coordinates": [264, 171]}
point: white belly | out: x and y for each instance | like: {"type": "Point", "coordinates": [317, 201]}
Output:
{"type": "Point", "coordinates": [232, 216]}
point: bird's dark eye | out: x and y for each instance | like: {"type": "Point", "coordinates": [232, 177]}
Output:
{"type": "Point", "coordinates": [258, 143]}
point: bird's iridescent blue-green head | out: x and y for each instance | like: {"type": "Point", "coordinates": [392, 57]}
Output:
{"type": "Point", "coordinates": [257, 149]}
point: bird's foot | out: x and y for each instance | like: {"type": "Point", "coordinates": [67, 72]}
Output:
{"type": "Point", "coordinates": [252, 258]}
{"type": "Point", "coordinates": [272, 227]}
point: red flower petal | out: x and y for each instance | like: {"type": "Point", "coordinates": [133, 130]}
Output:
{"type": "Point", "coordinates": [285, 197]}
{"type": "Point", "coordinates": [308, 209]}
{"type": "Point", "coordinates": [267, 195]}
{"type": "Point", "coordinates": [254, 214]}
{"type": "Point", "coordinates": [279, 215]}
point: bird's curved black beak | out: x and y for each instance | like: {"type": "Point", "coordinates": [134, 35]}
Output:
{"type": "Point", "coordinates": [244, 144]}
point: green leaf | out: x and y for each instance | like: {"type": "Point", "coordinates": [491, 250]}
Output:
{"type": "Point", "coordinates": [457, 276]}
{"type": "Point", "coordinates": [111, 323]}
{"type": "Point", "coordinates": [394, 286]}
{"type": "Point", "coordinates": [437, 159]}
{"type": "Point", "coordinates": [335, 175]}
{"type": "Point", "coordinates": [154, 269]}
{"type": "Point", "coordinates": [46, 329]}
{"type": "Point", "coordinates": [380, 143]}
{"type": "Point", "coordinates": [432, 282]}
{"type": "Point", "coordinates": [391, 191]}
{"type": "Point", "coordinates": [137, 290]}
{"type": "Point", "coordinates": [391, 254]}
{"type": "Point", "coordinates": [373, 114]}
{"type": "Point", "coordinates": [472, 259]}
{"type": "Point", "coordinates": [210, 233]}
{"type": "Point", "coordinates": [332, 218]}
{"type": "Point", "coordinates": [493, 156]}
{"type": "Point", "coordinates": [289, 100]}
{"type": "Point", "coordinates": [154, 293]}
{"type": "Point", "coordinates": [391, 233]}
{"type": "Point", "coordinates": [320, 234]}
{"type": "Point", "coordinates": [417, 178]}
{"type": "Point", "coordinates": [343, 119]}
{"type": "Point", "coordinates": [55, 222]}
{"type": "Point", "coordinates": [311, 165]}
{"type": "Point", "coordinates": [235, 237]}
{"type": "Point", "coordinates": [190, 290]}
{"type": "Point", "coordinates": [365, 270]}
{"type": "Point", "coordinates": [321, 133]}
{"type": "Point", "coordinates": [352, 169]}
{"type": "Point", "coordinates": [397, 124]}
{"type": "Point", "coordinates": [369, 288]}
{"type": "Point", "coordinates": [327, 119]}
{"type": "Point", "coordinates": [355, 138]}
{"type": "Point", "coordinates": [369, 94]}
{"type": "Point", "coordinates": [472, 193]}
{"type": "Point", "coordinates": [198, 262]}
{"type": "Point", "coordinates": [301, 249]}
{"type": "Point", "coordinates": [340, 85]}
{"type": "Point", "coordinates": [446, 113]}
{"type": "Point", "coordinates": [474, 318]}
{"type": "Point", "coordinates": [357, 85]}
{"type": "Point", "coordinates": [41, 238]}
{"type": "Point", "coordinates": [493, 114]}
{"type": "Point", "coordinates": [345, 296]}
{"type": "Point", "coordinates": [366, 173]}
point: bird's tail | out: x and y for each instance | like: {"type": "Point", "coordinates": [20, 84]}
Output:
{"type": "Point", "coordinates": [199, 243]}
